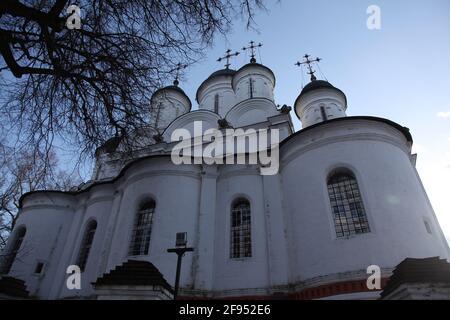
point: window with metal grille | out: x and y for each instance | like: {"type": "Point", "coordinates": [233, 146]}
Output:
{"type": "Point", "coordinates": [9, 258]}
{"type": "Point", "coordinates": [241, 239]}
{"type": "Point", "coordinates": [142, 229]}
{"type": "Point", "coordinates": [347, 206]}
{"type": "Point", "coordinates": [86, 245]}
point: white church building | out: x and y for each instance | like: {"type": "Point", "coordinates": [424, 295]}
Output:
{"type": "Point", "coordinates": [346, 196]}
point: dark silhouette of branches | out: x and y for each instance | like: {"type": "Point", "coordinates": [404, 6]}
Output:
{"type": "Point", "coordinates": [21, 173]}
{"type": "Point", "coordinates": [85, 86]}
{"type": "Point", "coordinates": [79, 88]}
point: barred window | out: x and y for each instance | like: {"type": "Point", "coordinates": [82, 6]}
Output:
{"type": "Point", "coordinates": [142, 229]}
{"type": "Point", "coordinates": [241, 240]}
{"type": "Point", "coordinates": [9, 258]}
{"type": "Point", "coordinates": [347, 206]}
{"type": "Point", "coordinates": [86, 244]}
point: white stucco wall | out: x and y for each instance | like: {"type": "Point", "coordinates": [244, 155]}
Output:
{"type": "Point", "coordinates": [292, 228]}
{"type": "Point", "coordinates": [167, 105]}
{"type": "Point", "coordinates": [220, 86]}
{"type": "Point", "coordinates": [47, 218]}
{"type": "Point", "coordinates": [263, 82]}
{"type": "Point", "coordinates": [174, 212]}
{"type": "Point", "coordinates": [290, 216]}
{"type": "Point", "coordinates": [309, 106]}
{"type": "Point", "coordinates": [394, 201]}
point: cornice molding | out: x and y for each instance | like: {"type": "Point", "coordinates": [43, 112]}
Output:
{"type": "Point", "coordinates": [155, 173]}
{"type": "Point", "coordinates": [287, 157]}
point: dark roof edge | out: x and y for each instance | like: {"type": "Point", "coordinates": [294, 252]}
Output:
{"type": "Point", "coordinates": [95, 184]}
{"type": "Point", "coordinates": [232, 73]}
{"type": "Point", "coordinates": [324, 88]}
{"type": "Point", "coordinates": [174, 88]}
{"type": "Point", "coordinates": [130, 268]}
{"type": "Point", "coordinates": [397, 126]}
{"type": "Point", "coordinates": [218, 73]}
{"type": "Point", "coordinates": [255, 64]}
{"type": "Point", "coordinates": [418, 270]}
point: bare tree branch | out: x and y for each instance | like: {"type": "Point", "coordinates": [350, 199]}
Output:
{"type": "Point", "coordinates": [24, 172]}
{"type": "Point", "coordinates": [83, 87]}
{"type": "Point", "coordinates": [92, 84]}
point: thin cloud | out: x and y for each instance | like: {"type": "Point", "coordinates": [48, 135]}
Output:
{"type": "Point", "coordinates": [443, 114]}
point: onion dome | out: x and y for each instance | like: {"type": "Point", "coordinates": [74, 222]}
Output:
{"type": "Point", "coordinates": [320, 101]}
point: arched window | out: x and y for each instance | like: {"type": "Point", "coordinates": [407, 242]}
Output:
{"type": "Point", "coordinates": [346, 203]}
{"type": "Point", "coordinates": [9, 258]}
{"type": "Point", "coordinates": [241, 237]}
{"type": "Point", "coordinates": [86, 245]}
{"type": "Point", "coordinates": [142, 229]}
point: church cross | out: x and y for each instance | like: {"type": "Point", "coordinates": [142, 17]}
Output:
{"type": "Point", "coordinates": [307, 61]}
{"type": "Point", "coordinates": [227, 56]}
{"type": "Point", "coordinates": [177, 70]}
{"type": "Point", "coordinates": [252, 48]}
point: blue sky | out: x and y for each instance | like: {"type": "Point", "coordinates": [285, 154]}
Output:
{"type": "Point", "coordinates": [400, 72]}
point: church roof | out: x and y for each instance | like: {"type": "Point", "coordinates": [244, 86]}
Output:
{"type": "Point", "coordinates": [172, 87]}
{"type": "Point", "coordinates": [13, 287]}
{"type": "Point", "coordinates": [136, 273]}
{"type": "Point", "coordinates": [109, 146]}
{"type": "Point", "coordinates": [404, 130]}
{"type": "Point", "coordinates": [255, 64]}
{"type": "Point", "coordinates": [316, 85]}
{"type": "Point", "coordinates": [427, 270]}
{"type": "Point", "coordinates": [222, 72]}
